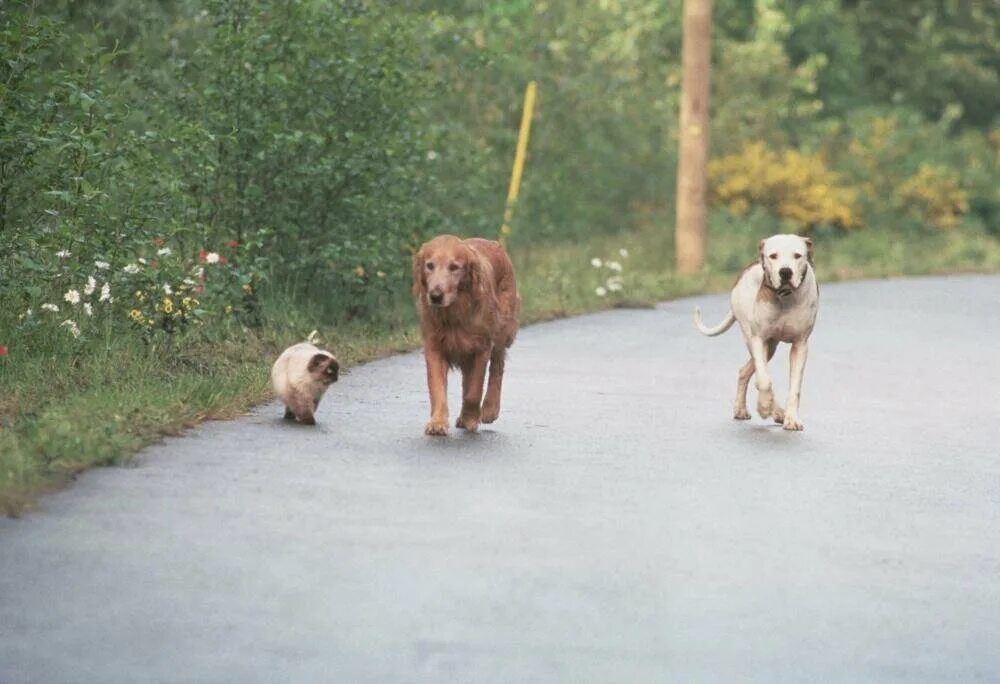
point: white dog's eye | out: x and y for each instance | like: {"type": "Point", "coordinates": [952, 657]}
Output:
{"type": "Point", "coordinates": [773, 256]}
{"type": "Point", "coordinates": [798, 256]}
{"type": "Point", "coordinates": [453, 267]}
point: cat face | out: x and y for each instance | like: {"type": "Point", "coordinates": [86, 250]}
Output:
{"type": "Point", "coordinates": [323, 367]}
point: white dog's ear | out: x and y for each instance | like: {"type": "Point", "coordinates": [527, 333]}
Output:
{"type": "Point", "coordinates": [809, 249]}
{"type": "Point", "coordinates": [760, 251]}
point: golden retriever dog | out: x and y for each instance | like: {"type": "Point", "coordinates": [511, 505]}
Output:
{"type": "Point", "coordinates": [468, 303]}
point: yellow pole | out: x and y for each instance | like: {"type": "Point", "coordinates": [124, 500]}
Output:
{"type": "Point", "coordinates": [522, 149]}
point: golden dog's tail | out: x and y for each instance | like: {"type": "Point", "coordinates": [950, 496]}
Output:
{"type": "Point", "coordinates": [717, 330]}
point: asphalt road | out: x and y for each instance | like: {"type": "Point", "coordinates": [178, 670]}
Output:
{"type": "Point", "coordinates": [615, 525]}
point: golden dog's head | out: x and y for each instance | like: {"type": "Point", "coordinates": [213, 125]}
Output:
{"type": "Point", "coordinates": [444, 268]}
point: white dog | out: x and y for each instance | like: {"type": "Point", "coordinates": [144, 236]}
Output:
{"type": "Point", "coordinates": [774, 300]}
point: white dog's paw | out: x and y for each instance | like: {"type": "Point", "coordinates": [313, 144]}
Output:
{"type": "Point", "coordinates": [792, 423]}
{"type": "Point", "coordinates": [741, 414]}
{"type": "Point", "coordinates": [777, 414]}
{"type": "Point", "coordinates": [765, 405]}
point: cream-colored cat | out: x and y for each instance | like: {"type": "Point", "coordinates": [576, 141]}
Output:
{"type": "Point", "coordinates": [300, 376]}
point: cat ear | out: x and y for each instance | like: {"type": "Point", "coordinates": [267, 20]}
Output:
{"type": "Point", "coordinates": [333, 369]}
{"type": "Point", "coordinates": [316, 361]}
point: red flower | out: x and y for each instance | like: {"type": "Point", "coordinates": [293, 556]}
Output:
{"type": "Point", "coordinates": [3, 350]}
{"type": "Point", "coordinates": [201, 256]}
{"type": "Point", "coordinates": [155, 263]}
{"type": "Point", "coordinates": [233, 244]}
{"type": "Point", "coordinates": [222, 259]}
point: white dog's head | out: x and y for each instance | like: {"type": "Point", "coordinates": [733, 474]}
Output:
{"type": "Point", "coordinates": [786, 260]}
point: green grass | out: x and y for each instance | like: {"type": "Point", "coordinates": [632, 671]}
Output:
{"type": "Point", "coordinates": [63, 410]}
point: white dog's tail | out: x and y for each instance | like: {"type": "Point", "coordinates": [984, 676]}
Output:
{"type": "Point", "coordinates": [717, 330]}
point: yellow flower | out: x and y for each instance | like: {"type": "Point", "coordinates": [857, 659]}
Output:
{"type": "Point", "coordinates": [229, 309]}
{"type": "Point", "coordinates": [135, 315]}
{"type": "Point", "coordinates": [248, 289]}
{"type": "Point", "coordinates": [359, 271]}
{"type": "Point", "coordinates": [168, 305]}
{"type": "Point", "coordinates": [140, 296]}
{"type": "Point", "coordinates": [187, 303]}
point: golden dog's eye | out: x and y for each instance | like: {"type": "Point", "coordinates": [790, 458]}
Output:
{"type": "Point", "coordinates": [430, 266]}
{"type": "Point", "coordinates": [773, 256]}
{"type": "Point", "coordinates": [798, 256]}
{"type": "Point", "coordinates": [453, 267]}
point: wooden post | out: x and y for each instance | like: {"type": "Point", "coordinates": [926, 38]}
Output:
{"type": "Point", "coordinates": [696, 54]}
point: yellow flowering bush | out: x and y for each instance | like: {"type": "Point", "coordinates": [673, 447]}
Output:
{"type": "Point", "coordinates": [934, 195]}
{"type": "Point", "coordinates": [794, 186]}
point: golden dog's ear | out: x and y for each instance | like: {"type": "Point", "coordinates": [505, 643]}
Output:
{"type": "Point", "coordinates": [419, 284]}
{"type": "Point", "coordinates": [480, 276]}
{"type": "Point", "coordinates": [809, 250]}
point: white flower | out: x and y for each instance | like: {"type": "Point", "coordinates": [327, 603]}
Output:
{"type": "Point", "coordinates": [141, 261]}
{"type": "Point", "coordinates": [90, 286]}
{"type": "Point", "coordinates": [63, 254]}
{"type": "Point", "coordinates": [49, 307]}
{"type": "Point", "coordinates": [188, 281]}
{"type": "Point", "coordinates": [27, 314]}
{"type": "Point", "coordinates": [88, 309]}
{"type": "Point", "coordinates": [623, 252]}
{"type": "Point", "coordinates": [72, 296]}
{"type": "Point", "coordinates": [102, 265]}
{"type": "Point", "coordinates": [105, 292]}
{"type": "Point", "coordinates": [614, 266]}
{"type": "Point", "coordinates": [167, 289]}
{"type": "Point", "coordinates": [596, 263]}
{"type": "Point", "coordinates": [431, 155]}
{"type": "Point", "coordinates": [131, 269]}
{"type": "Point", "coordinates": [200, 272]}
{"type": "Point", "coordinates": [166, 251]}
{"type": "Point", "coordinates": [614, 283]}
{"type": "Point", "coordinates": [380, 274]}
{"type": "Point", "coordinates": [73, 329]}
{"type": "Point", "coordinates": [212, 258]}
{"type": "Point", "coordinates": [600, 292]}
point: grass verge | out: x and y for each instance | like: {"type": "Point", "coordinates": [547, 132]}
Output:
{"type": "Point", "coordinates": [63, 410]}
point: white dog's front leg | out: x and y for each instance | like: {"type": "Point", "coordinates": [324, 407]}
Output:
{"type": "Point", "coordinates": [765, 393]}
{"type": "Point", "coordinates": [797, 362]}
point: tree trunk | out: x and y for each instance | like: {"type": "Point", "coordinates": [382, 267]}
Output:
{"type": "Point", "coordinates": [689, 234]}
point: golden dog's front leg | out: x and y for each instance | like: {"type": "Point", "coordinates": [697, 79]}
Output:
{"type": "Point", "coordinates": [491, 403]}
{"type": "Point", "coordinates": [437, 385]}
{"type": "Point", "coordinates": [473, 377]}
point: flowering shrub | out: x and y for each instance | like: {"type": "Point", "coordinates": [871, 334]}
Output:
{"type": "Point", "coordinates": [934, 195]}
{"type": "Point", "coordinates": [794, 186]}
{"type": "Point", "coordinates": [169, 293]}
{"type": "Point", "coordinates": [611, 281]}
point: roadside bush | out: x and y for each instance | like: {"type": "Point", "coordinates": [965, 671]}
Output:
{"type": "Point", "coordinates": [933, 196]}
{"type": "Point", "coordinates": [796, 187]}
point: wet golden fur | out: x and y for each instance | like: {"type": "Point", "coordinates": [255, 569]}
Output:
{"type": "Point", "coordinates": [467, 298]}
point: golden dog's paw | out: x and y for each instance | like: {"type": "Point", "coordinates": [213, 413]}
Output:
{"type": "Point", "coordinates": [792, 423]}
{"type": "Point", "coordinates": [436, 427]}
{"type": "Point", "coordinates": [490, 412]}
{"type": "Point", "coordinates": [467, 422]}
{"type": "Point", "coordinates": [741, 414]}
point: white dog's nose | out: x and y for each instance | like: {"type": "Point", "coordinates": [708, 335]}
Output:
{"type": "Point", "coordinates": [785, 273]}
